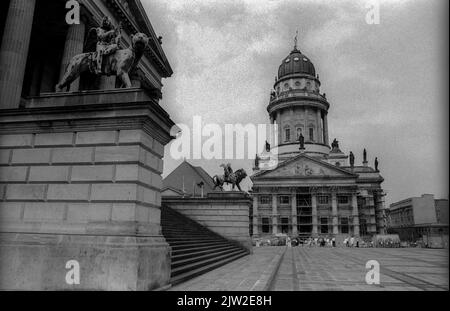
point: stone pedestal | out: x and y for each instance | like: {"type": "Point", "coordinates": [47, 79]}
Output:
{"type": "Point", "coordinates": [224, 212]}
{"type": "Point", "coordinates": [81, 180]}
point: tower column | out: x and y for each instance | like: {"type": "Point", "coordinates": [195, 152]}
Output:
{"type": "Point", "coordinates": [14, 51]}
{"type": "Point", "coordinates": [334, 212]}
{"type": "Point", "coordinates": [314, 214]}
{"type": "Point", "coordinates": [294, 212]}
{"type": "Point", "coordinates": [73, 46]}
{"type": "Point", "coordinates": [274, 214]}
{"type": "Point", "coordinates": [255, 215]}
{"type": "Point", "coordinates": [355, 214]}
{"type": "Point", "coordinates": [325, 128]}
{"type": "Point", "coordinates": [319, 127]}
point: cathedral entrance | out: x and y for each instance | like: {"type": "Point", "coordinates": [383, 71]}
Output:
{"type": "Point", "coordinates": [304, 212]}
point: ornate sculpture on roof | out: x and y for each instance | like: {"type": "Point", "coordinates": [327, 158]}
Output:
{"type": "Point", "coordinates": [109, 58]}
{"type": "Point", "coordinates": [364, 155]}
{"type": "Point", "coordinates": [272, 95]}
{"type": "Point", "coordinates": [352, 159]}
{"type": "Point", "coordinates": [267, 146]}
{"type": "Point", "coordinates": [376, 164]}
{"type": "Point", "coordinates": [335, 144]}
{"type": "Point", "coordinates": [256, 162]}
{"type": "Point", "coordinates": [301, 140]}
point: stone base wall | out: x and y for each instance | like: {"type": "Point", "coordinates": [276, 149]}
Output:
{"type": "Point", "coordinates": [38, 262]}
{"type": "Point", "coordinates": [225, 213]}
{"type": "Point", "coordinates": [83, 182]}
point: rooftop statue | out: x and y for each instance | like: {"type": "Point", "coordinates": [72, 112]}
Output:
{"type": "Point", "coordinates": [229, 177]}
{"type": "Point", "coordinates": [352, 159]}
{"type": "Point", "coordinates": [335, 144]}
{"type": "Point", "coordinates": [301, 140]}
{"type": "Point", "coordinates": [364, 155]}
{"type": "Point", "coordinates": [109, 57]}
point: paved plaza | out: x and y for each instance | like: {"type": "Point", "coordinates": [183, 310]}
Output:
{"type": "Point", "coordinates": [316, 268]}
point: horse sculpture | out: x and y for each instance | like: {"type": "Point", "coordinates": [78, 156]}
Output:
{"type": "Point", "coordinates": [234, 178]}
{"type": "Point", "coordinates": [119, 63]}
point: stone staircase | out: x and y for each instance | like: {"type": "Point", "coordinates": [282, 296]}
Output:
{"type": "Point", "coordinates": [195, 248]}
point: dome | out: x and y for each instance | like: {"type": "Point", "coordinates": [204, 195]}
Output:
{"type": "Point", "coordinates": [296, 62]}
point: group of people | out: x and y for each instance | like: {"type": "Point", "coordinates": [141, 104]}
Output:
{"type": "Point", "coordinates": [320, 242]}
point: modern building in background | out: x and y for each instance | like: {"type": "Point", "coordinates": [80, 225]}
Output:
{"type": "Point", "coordinates": [418, 217]}
{"type": "Point", "coordinates": [314, 189]}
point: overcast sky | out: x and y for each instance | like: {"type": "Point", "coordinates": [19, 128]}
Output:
{"type": "Point", "coordinates": [386, 83]}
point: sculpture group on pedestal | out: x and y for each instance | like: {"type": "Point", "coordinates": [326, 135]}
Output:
{"type": "Point", "coordinates": [109, 58]}
{"type": "Point", "coordinates": [229, 177]}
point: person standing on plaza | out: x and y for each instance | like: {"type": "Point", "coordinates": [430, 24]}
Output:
{"type": "Point", "coordinates": [352, 241]}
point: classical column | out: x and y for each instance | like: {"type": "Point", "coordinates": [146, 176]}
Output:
{"type": "Point", "coordinates": [314, 214]}
{"type": "Point", "coordinates": [355, 215]}
{"type": "Point", "coordinates": [255, 215]}
{"type": "Point", "coordinates": [334, 212]}
{"type": "Point", "coordinates": [14, 51]}
{"type": "Point", "coordinates": [73, 46]}
{"type": "Point", "coordinates": [325, 128]}
{"type": "Point", "coordinates": [294, 212]}
{"type": "Point", "coordinates": [319, 127]}
{"type": "Point", "coordinates": [274, 214]}
{"type": "Point", "coordinates": [278, 119]}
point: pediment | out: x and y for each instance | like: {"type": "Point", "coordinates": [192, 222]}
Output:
{"type": "Point", "coordinates": [305, 167]}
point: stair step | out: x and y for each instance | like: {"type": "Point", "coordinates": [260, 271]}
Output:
{"type": "Point", "coordinates": [184, 246]}
{"type": "Point", "coordinates": [183, 242]}
{"type": "Point", "coordinates": [180, 251]}
{"type": "Point", "coordinates": [214, 254]}
{"type": "Point", "coordinates": [195, 248]}
{"type": "Point", "coordinates": [195, 265]}
{"type": "Point", "coordinates": [196, 251]}
{"type": "Point", "coordinates": [193, 273]}
{"type": "Point", "coordinates": [191, 238]}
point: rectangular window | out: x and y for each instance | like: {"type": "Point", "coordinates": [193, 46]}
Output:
{"type": "Point", "coordinates": [343, 199]}
{"type": "Point", "coordinates": [362, 227]}
{"type": "Point", "coordinates": [283, 199]}
{"type": "Point", "coordinates": [323, 225]}
{"type": "Point", "coordinates": [287, 134]}
{"type": "Point", "coordinates": [264, 199]}
{"type": "Point", "coordinates": [322, 199]}
{"type": "Point", "coordinates": [344, 225]}
{"type": "Point", "coordinates": [285, 225]}
{"type": "Point", "coordinates": [265, 225]}
{"type": "Point", "coordinates": [311, 134]}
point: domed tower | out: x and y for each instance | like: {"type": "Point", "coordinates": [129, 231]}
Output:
{"type": "Point", "coordinates": [298, 108]}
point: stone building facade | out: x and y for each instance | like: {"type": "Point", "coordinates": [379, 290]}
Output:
{"type": "Point", "coordinates": [80, 170]}
{"type": "Point", "coordinates": [313, 190]}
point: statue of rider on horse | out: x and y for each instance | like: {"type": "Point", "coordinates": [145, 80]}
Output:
{"type": "Point", "coordinates": [229, 177]}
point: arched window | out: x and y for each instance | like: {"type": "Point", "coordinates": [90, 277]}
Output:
{"type": "Point", "coordinates": [299, 131]}
{"type": "Point", "coordinates": [287, 134]}
{"type": "Point", "coordinates": [311, 133]}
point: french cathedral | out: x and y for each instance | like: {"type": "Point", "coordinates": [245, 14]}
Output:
{"type": "Point", "coordinates": [314, 190]}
